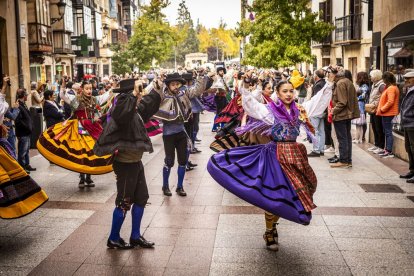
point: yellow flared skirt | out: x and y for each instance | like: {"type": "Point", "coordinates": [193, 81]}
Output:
{"type": "Point", "coordinates": [62, 145]}
{"type": "Point", "coordinates": [19, 193]}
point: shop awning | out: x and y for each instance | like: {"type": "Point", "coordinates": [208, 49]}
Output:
{"type": "Point", "coordinates": [403, 53]}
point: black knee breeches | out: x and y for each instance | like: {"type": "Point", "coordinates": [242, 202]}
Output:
{"type": "Point", "coordinates": [131, 184]}
{"type": "Point", "coordinates": [175, 142]}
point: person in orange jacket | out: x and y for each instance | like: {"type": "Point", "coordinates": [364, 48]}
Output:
{"type": "Point", "coordinates": [388, 109]}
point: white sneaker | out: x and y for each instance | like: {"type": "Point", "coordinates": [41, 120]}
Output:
{"type": "Point", "coordinates": [388, 155]}
{"type": "Point", "coordinates": [330, 149]}
{"type": "Point", "coordinates": [378, 151]}
{"type": "Point", "coordinates": [374, 148]}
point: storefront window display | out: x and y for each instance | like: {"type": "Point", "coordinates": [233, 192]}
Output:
{"type": "Point", "coordinates": [399, 57]}
{"type": "Point", "coordinates": [35, 72]}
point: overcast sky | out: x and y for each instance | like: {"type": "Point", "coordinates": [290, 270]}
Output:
{"type": "Point", "coordinates": [208, 11]}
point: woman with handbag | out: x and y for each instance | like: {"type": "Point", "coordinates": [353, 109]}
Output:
{"type": "Point", "coordinates": [378, 86]}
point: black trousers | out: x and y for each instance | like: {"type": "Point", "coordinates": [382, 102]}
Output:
{"type": "Point", "coordinates": [131, 184]}
{"type": "Point", "coordinates": [172, 143]}
{"type": "Point", "coordinates": [220, 102]}
{"type": "Point", "coordinates": [328, 132]}
{"type": "Point", "coordinates": [343, 132]}
{"type": "Point", "coordinates": [409, 146]}
{"type": "Point", "coordinates": [377, 128]}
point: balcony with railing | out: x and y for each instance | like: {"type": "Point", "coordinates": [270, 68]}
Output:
{"type": "Point", "coordinates": [40, 37]}
{"type": "Point", "coordinates": [62, 43]}
{"type": "Point", "coordinates": [119, 36]}
{"type": "Point", "coordinates": [348, 29]}
{"type": "Point", "coordinates": [327, 41]}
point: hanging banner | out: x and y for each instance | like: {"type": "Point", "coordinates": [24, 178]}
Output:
{"type": "Point", "coordinates": [68, 17]}
{"type": "Point", "coordinates": [87, 22]}
{"type": "Point", "coordinates": [98, 26]}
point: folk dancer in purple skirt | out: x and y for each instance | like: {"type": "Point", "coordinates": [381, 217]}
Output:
{"type": "Point", "coordinates": [275, 176]}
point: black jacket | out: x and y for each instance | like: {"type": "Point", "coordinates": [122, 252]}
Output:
{"type": "Point", "coordinates": [125, 128]}
{"type": "Point", "coordinates": [318, 86]}
{"type": "Point", "coordinates": [51, 114]}
{"type": "Point", "coordinates": [407, 110]}
{"type": "Point", "coordinates": [23, 123]}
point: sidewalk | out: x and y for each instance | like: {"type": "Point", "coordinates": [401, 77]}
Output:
{"type": "Point", "coordinates": [212, 232]}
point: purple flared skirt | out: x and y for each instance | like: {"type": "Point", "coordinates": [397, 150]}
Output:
{"type": "Point", "coordinates": [254, 174]}
{"type": "Point", "coordinates": [208, 102]}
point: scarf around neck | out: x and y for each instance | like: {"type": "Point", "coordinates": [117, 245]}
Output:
{"type": "Point", "coordinates": [281, 113]}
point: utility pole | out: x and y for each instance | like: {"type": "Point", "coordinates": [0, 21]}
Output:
{"type": "Point", "coordinates": [243, 4]}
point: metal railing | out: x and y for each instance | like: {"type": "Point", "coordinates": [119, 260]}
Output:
{"type": "Point", "coordinates": [348, 28]}
{"type": "Point", "coordinates": [324, 42]}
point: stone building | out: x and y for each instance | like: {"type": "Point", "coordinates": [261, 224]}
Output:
{"type": "Point", "coordinates": [350, 42]}
{"type": "Point", "coordinates": [14, 47]}
{"type": "Point", "coordinates": [393, 48]}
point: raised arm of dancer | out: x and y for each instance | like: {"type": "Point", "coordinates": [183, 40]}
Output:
{"type": "Point", "coordinates": [254, 108]}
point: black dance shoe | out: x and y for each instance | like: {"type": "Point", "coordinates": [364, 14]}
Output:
{"type": "Point", "coordinates": [188, 168]}
{"type": "Point", "coordinates": [30, 168]}
{"type": "Point", "coordinates": [407, 175]}
{"type": "Point", "coordinates": [181, 192]}
{"type": "Point", "coordinates": [141, 242]}
{"type": "Point", "coordinates": [89, 182]}
{"type": "Point", "coordinates": [191, 164]}
{"type": "Point", "coordinates": [166, 191]}
{"type": "Point", "coordinates": [119, 244]}
{"type": "Point", "coordinates": [81, 183]}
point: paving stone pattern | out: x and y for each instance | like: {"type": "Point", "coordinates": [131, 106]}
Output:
{"type": "Point", "coordinates": [212, 232]}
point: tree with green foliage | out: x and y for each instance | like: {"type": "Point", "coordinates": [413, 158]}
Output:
{"type": "Point", "coordinates": [153, 37]}
{"type": "Point", "coordinates": [122, 60]}
{"type": "Point", "coordinates": [187, 40]}
{"type": "Point", "coordinates": [281, 33]}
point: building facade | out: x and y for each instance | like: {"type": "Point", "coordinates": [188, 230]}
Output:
{"type": "Point", "coordinates": [14, 46]}
{"type": "Point", "coordinates": [43, 40]}
{"type": "Point", "coordinates": [350, 42]}
{"type": "Point", "coordinates": [369, 34]}
{"type": "Point", "coordinates": [393, 49]}
{"type": "Point", "coordinates": [393, 35]}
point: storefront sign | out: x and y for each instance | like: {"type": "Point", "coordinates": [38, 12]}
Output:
{"type": "Point", "coordinates": [98, 26]}
{"type": "Point", "coordinates": [59, 68]}
{"type": "Point", "coordinates": [22, 30]}
{"type": "Point", "coordinates": [87, 22]}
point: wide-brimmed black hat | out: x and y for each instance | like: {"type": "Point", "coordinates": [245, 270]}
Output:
{"type": "Point", "coordinates": [187, 76]}
{"type": "Point", "coordinates": [174, 77]}
{"type": "Point", "coordinates": [125, 86]}
{"type": "Point", "coordinates": [219, 68]}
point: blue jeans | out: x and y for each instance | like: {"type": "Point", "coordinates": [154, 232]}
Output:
{"type": "Point", "coordinates": [387, 125]}
{"type": "Point", "coordinates": [319, 125]}
{"type": "Point", "coordinates": [11, 138]}
{"type": "Point", "coordinates": [23, 146]}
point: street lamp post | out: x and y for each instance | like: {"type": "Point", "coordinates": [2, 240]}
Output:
{"type": "Point", "coordinates": [61, 10]}
{"type": "Point", "coordinates": [175, 58]}
{"type": "Point", "coordinates": [217, 55]}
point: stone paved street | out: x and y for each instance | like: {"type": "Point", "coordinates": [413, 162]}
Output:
{"type": "Point", "coordinates": [212, 232]}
